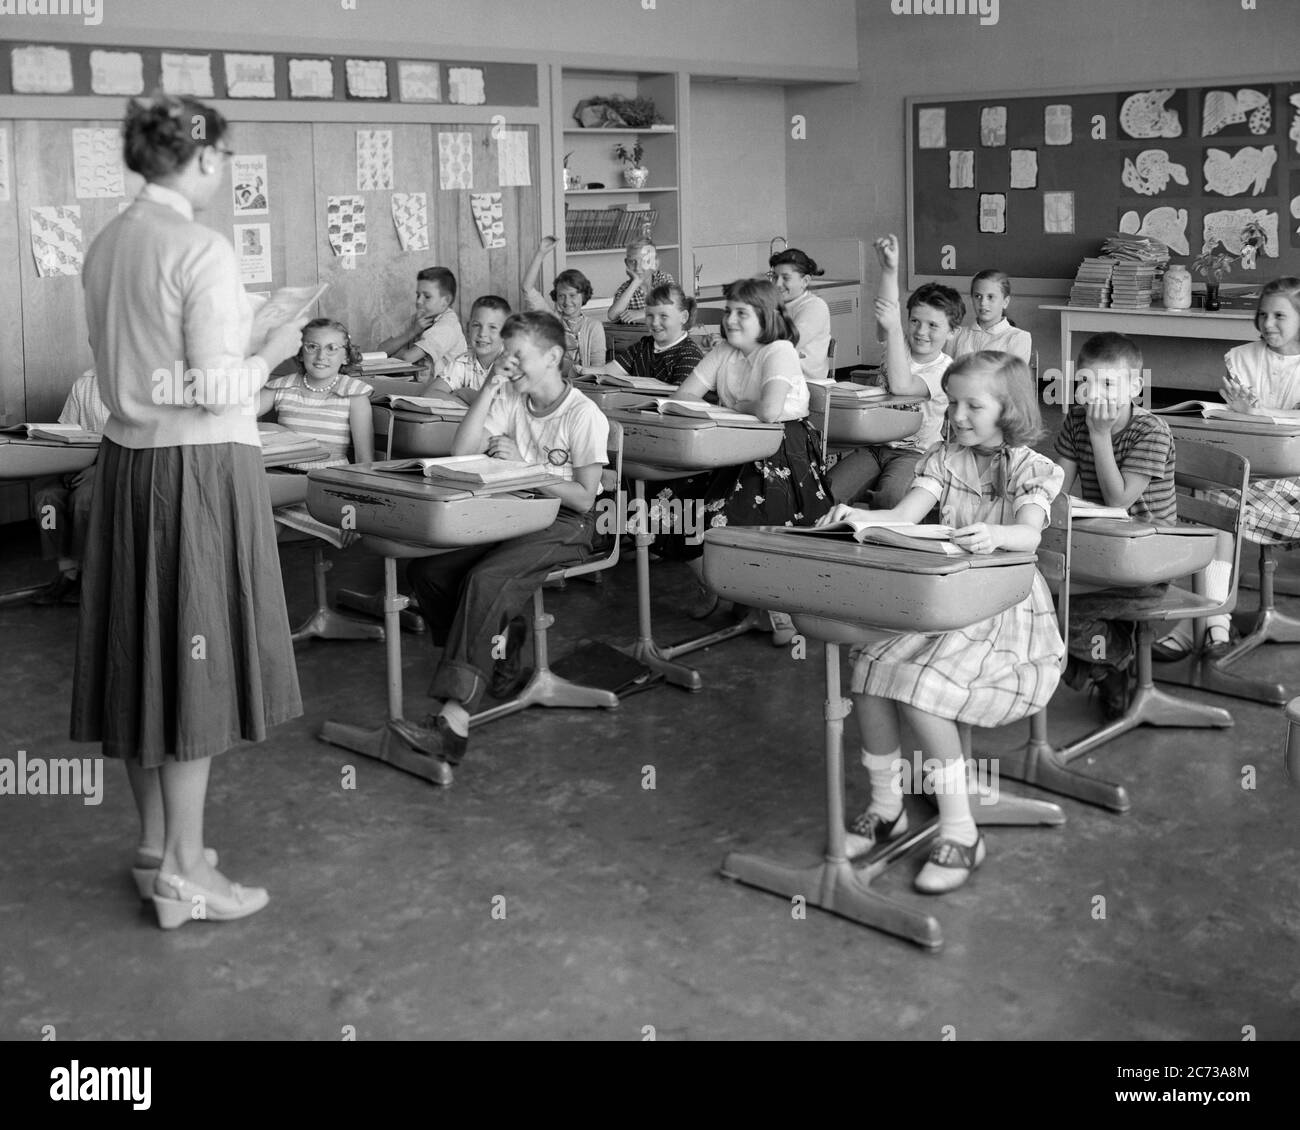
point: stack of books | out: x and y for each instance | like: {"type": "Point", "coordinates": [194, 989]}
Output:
{"type": "Point", "coordinates": [1130, 285]}
{"type": "Point", "coordinates": [1092, 283]}
{"type": "Point", "coordinates": [1142, 249]}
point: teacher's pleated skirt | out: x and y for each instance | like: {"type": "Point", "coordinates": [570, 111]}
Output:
{"type": "Point", "coordinates": [183, 650]}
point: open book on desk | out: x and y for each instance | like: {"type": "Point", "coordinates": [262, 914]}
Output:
{"type": "Point", "coordinates": [471, 470]}
{"type": "Point", "coordinates": [1210, 410]}
{"type": "Point", "coordinates": [903, 535]}
{"type": "Point", "coordinates": [54, 433]}
{"type": "Point", "coordinates": [637, 384]}
{"type": "Point", "coordinates": [429, 405]}
{"type": "Point", "coordinates": [698, 410]}
{"type": "Point", "coordinates": [286, 305]}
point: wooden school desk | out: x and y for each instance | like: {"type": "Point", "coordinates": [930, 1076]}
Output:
{"type": "Point", "coordinates": [658, 448]}
{"type": "Point", "coordinates": [403, 515]}
{"type": "Point", "coordinates": [844, 593]}
{"type": "Point", "coordinates": [22, 458]}
{"type": "Point", "coordinates": [1232, 326]}
{"type": "Point", "coordinates": [1273, 451]}
{"type": "Point", "coordinates": [883, 419]}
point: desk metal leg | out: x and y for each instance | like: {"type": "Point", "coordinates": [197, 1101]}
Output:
{"type": "Point", "coordinates": [19, 596]}
{"type": "Point", "coordinates": [386, 742]}
{"type": "Point", "coordinates": [1037, 762]}
{"type": "Point", "coordinates": [844, 888]}
{"type": "Point", "coordinates": [325, 623]}
{"type": "Point", "coordinates": [372, 604]}
{"type": "Point", "coordinates": [645, 649]}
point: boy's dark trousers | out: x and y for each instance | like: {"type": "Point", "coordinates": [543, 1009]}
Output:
{"type": "Point", "coordinates": [469, 596]}
{"type": "Point", "coordinates": [1101, 632]}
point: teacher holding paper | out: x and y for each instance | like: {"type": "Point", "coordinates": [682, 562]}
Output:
{"type": "Point", "coordinates": [183, 649]}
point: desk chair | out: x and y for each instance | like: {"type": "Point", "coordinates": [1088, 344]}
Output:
{"type": "Point", "coordinates": [545, 687]}
{"type": "Point", "coordinates": [1200, 468]}
{"type": "Point", "coordinates": [1038, 762]}
{"type": "Point", "coordinates": [1269, 625]}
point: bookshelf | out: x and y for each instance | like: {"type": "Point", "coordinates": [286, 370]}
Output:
{"type": "Point", "coordinates": [594, 226]}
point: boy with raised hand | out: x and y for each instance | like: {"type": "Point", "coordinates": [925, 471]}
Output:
{"type": "Point", "coordinates": [434, 336]}
{"type": "Point", "coordinates": [528, 413]}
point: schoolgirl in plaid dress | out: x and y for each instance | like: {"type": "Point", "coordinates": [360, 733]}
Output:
{"type": "Point", "coordinates": [997, 492]}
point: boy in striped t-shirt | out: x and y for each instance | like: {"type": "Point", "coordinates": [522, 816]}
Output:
{"type": "Point", "coordinates": [1120, 455]}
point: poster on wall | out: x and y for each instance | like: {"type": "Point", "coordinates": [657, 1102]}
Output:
{"type": "Point", "coordinates": [56, 240]}
{"type": "Point", "coordinates": [250, 76]}
{"type": "Point", "coordinates": [455, 160]}
{"type": "Point", "coordinates": [97, 164]}
{"type": "Point", "coordinates": [419, 82]}
{"type": "Point", "coordinates": [41, 70]}
{"type": "Point", "coordinates": [116, 72]}
{"type": "Point", "coordinates": [512, 159]}
{"type": "Point", "coordinates": [993, 213]}
{"type": "Point", "coordinates": [187, 74]}
{"type": "Point", "coordinates": [411, 219]}
{"type": "Point", "coordinates": [465, 85]}
{"type": "Point", "coordinates": [367, 78]}
{"type": "Point", "coordinates": [311, 78]}
{"type": "Point", "coordinates": [346, 219]}
{"type": "Point", "coordinates": [253, 244]}
{"type": "Point", "coordinates": [374, 160]}
{"type": "Point", "coordinates": [250, 184]}
{"type": "Point", "coordinates": [489, 218]}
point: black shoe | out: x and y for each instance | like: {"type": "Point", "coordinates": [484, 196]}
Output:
{"type": "Point", "coordinates": [434, 737]}
{"type": "Point", "coordinates": [507, 678]}
{"type": "Point", "coordinates": [64, 589]}
{"type": "Point", "coordinates": [1114, 693]}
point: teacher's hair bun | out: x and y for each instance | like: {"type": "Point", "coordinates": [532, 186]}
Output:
{"type": "Point", "coordinates": [162, 133]}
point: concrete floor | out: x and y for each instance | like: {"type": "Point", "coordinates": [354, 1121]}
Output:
{"type": "Point", "coordinates": [615, 915]}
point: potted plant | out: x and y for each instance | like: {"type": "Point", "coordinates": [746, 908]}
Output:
{"type": "Point", "coordinates": [1215, 260]}
{"type": "Point", "coordinates": [635, 174]}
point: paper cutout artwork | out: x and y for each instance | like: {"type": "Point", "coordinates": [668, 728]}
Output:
{"type": "Point", "coordinates": [1058, 213]}
{"type": "Point", "coordinates": [116, 72]}
{"type": "Point", "coordinates": [253, 245]}
{"type": "Point", "coordinates": [96, 164]}
{"type": "Point", "coordinates": [1232, 174]}
{"type": "Point", "coordinates": [41, 70]}
{"type": "Point", "coordinates": [346, 217]}
{"type": "Point", "coordinates": [250, 184]}
{"type": "Point", "coordinates": [1024, 168]}
{"type": "Point", "coordinates": [4, 164]}
{"type": "Point", "coordinates": [465, 85]}
{"type": "Point", "coordinates": [489, 218]}
{"type": "Point", "coordinates": [993, 212]}
{"type": "Point", "coordinates": [367, 78]}
{"type": "Point", "coordinates": [1295, 122]}
{"type": "Point", "coordinates": [1295, 210]}
{"type": "Point", "coordinates": [512, 159]}
{"type": "Point", "coordinates": [56, 240]}
{"type": "Point", "coordinates": [411, 219]}
{"type": "Point", "coordinates": [1169, 225]}
{"type": "Point", "coordinates": [1144, 115]}
{"type": "Point", "coordinates": [455, 160]}
{"type": "Point", "coordinates": [1226, 228]}
{"type": "Point", "coordinates": [932, 128]}
{"type": "Point", "coordinates": [187, 74]}
{"type": "Point", "coordinates": [374, 160]}
{"type": "Point", "coordinates": [993, 125]}
{"type": "Point", "coordinates": [311, 78]}
{"type": "Point", "coordinates": [961, 168]}
{"type": "Point", "coordinates": [250, 76]}
{"type": "Point", "coordinates": [418, 82]}
{"type": "Point", "coordinates": [1151, 172]}
{"type": "Point", "coordinates": [1223, 108]}
{"type": "Point", "coordinates": [1058, 124]}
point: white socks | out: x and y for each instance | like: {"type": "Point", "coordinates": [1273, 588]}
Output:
{"type": "Point", "coordinates": [886, 773]}
{"type": "Point", "coordinates": [457, 717]}
{"type": "Point", "coordinates": [955, 820]}
{"type": "Point", "coordinates": [1217, 574]}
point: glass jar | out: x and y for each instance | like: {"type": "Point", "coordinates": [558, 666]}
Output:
{"type": "Point", "coordinates": [1176, 291]}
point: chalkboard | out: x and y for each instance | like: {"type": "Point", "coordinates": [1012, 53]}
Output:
{"type": "Point", "coordinates": [953, 231]}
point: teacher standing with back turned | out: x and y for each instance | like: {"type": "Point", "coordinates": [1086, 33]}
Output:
{"type": "Point", "coordinates": [183, 649]}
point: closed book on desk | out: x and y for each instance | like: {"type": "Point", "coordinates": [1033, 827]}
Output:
{"type": "Point", "coordinates": [1081, 508]}
{"type": "Point", "coordinates": [901, 535]}
{"type": "Point", "coordinates": [698, 410]}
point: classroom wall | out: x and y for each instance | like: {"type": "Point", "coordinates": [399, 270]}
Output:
{"type": "Point", "coordinates": [723, 36]}
{"type": "Point", "coordinates": [737, 144]}
{"type": "Point", "coordinates": [848, 176]}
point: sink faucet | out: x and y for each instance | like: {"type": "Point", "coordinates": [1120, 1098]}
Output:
{"type": "Point", "coordinates": [771, 244]}
{"type": "Point", "coordinates": [698, 268]}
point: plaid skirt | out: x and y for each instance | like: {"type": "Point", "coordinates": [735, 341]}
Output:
{"type": "Point", "coordinates": [1272, 509]}
{"type": "Point", "coordinates": [183, 649]}
{"type": "Point", "coordinates": [988, 674]}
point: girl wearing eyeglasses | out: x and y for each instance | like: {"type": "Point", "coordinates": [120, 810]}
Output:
{"type": "Point", "coordinates": [323, 402]}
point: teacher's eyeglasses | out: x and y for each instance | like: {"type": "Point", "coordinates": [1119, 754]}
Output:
{"type": "Point", "coordinates": [223, 150]}
{"type": "Point", "coordinates": [329, 350]}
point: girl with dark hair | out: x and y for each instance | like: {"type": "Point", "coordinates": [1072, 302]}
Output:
{"type": "Point", "coordinates": [183, 650]}
{"type": "Point", "coordinates": [584, 338]}
{"type": "Point", "coordinates": [791, 270]}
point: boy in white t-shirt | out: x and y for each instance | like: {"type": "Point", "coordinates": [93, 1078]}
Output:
{"type": "Point", "coordinates": [466, 374]}
{"type": "Point", "coordinates": [434, 336]}
{"type": "Point", "coordinates": [476, 596]}
{"type": "Point", "coordinates": [914, 365]}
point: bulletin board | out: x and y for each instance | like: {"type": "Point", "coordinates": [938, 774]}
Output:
{"type": "Point", "coordinates": [1032, 185]}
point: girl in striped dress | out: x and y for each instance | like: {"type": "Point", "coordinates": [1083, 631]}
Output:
{"type": "Point", "coordinates": [323, 402]}
{"type": "Point", "coordinates": [997, 492]}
